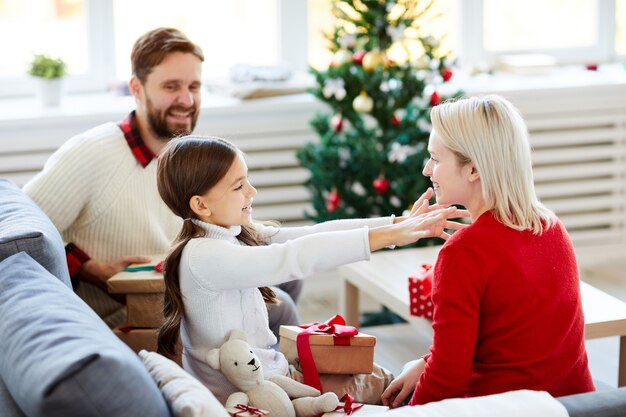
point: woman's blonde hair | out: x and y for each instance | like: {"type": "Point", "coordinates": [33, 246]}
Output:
{"type": "Point", "coordinates": [490, 132]}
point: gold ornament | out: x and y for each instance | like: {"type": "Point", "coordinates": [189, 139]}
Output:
{"type": "Point", "coordinates": [372, 59]}
{"type": "Point", "coordinates": [363, 103]}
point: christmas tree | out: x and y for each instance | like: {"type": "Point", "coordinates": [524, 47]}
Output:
{"type": "Point", "coordinates": [384, 77]}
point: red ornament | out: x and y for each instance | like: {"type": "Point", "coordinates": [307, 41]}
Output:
{"type": "Point", "coordinates": [337, 123]}
{"type": "Point", "coordinates": [435, 99]}
{"type": "Point", "coordinates": [357, 58]}
{"type": "Point", "coordinates": [381, 185]}
{"type": "Point", "coordinates": [591, 67]}
{"type": "Point", "coordinates": [394, 120]}
{"type": "Point", "coordinates": [446, 74]}
{"type": "Point", "coordinates": [332, 202]}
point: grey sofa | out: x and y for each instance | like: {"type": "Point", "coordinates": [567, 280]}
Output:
{"type": "Point", "coordinates": [57, 358]}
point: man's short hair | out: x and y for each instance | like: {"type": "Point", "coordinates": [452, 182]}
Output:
{"type": "Point", "coordinates": [151, 48]}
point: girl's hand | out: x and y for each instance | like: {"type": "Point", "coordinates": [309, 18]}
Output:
{"type": "Point", "coordinates": [422, 206]}
{"type": "Point", "coordinates": [400, 388]}
{"type": "Point", "coordinates": [411, 229]}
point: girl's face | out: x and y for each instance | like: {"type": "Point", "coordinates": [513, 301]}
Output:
{"type": "Point", "coordinates": [453, 183]}
{"type": "Point", "coordinates": [229, 202]}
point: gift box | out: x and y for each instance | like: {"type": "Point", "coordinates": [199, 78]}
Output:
{"type": "Point", "coordinates": [355, 357]}
{"type": "Point", "coordinates": [144, 288]}
{"type": "Point", "coordinates": [241, 410]}
{"type": "Point", "coordinates": [420, 289]}
{"type": "Point", "coordinates": [138, 339]}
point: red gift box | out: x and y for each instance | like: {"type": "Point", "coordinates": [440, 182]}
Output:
{"type": "Point", "coordinates": [420, 289]}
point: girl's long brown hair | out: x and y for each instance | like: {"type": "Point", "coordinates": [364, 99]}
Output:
{"type": "Point", "coordinates": [189, 166]}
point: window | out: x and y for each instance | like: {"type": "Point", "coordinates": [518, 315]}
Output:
{"type": "Point", "coordinates": [95, 36]}
{"type": "Point", "coordinates": [40, 26]}
{"type": "Point", "coordinates": [620, 28]}
{"type": "Point", "coordinates": [479, 32]}
{"type": "Point", "coordinates": [572, 31]}
{"type": "Point", "coordinates": [229, 32]}
{"type": "Point", "coordinates": [439, 21]}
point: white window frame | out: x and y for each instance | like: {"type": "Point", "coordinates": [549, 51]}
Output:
{"type": "Point", "coordinates": [100, 61]}
{"type": "Point", "coordinates": [293, 40]}
{"type": "Point", "coordinates": [473, 53]}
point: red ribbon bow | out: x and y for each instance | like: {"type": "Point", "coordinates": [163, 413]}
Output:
{"type": "Point", "coordinates": [336, 327]}
{"type": "Point", "coordinates": [253, 410]}
{"type": "Point", "coordinates": [349, 406]}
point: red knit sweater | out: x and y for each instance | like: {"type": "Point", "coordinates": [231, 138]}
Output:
{"type": "Point", "coordinates": [507, 316]}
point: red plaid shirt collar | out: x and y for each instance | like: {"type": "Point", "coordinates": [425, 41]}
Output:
{"type": "Point", "coordinates": [137, 146]}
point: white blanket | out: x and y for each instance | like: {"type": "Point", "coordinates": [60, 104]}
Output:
{"type": "Point", "coordinates": [523, 403]}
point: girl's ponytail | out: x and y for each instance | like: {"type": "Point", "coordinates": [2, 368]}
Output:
{"type": "Point", "coordinates": [173, 310]}
{"type": "Point", "coordinates": [190, 166]}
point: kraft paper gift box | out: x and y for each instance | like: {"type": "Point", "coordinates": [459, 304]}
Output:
{"type": "Point", "coordinates": [144, 295]}
{"type": "Point", "coordinates": [329, 358]}
{"type": "Point", "coordinates": [138, 339]}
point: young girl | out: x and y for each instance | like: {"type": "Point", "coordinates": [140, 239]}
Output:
{"type": "Point", "coordinates": [217, 274]}
{"type": "Point", "coordinates": [507, 307]}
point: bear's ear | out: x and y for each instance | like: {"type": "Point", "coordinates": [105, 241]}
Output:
{"type": "Point", "coordinates": [237, 334]}
{"type": "Point", "coordinates": [213, 358]}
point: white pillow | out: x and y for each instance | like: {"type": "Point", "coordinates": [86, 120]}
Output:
{"type": "Point", "coordinates": [185, 395]}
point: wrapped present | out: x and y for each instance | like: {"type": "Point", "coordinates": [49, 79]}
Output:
{"type": "Point", "coordinates": [420, 289]}
{"type": "Point", "coordinates": [242, 410]}
{"type": "Point", "coordinates": [140, 338]}
{"type": "Point", "coordinates": [144, 287]}
{"type": "Point", "coordinates": [327, 348]}
{"type": "Point", "coordinates": [144, 310]}
{"type": "Point", "coordinates": [137, 339]}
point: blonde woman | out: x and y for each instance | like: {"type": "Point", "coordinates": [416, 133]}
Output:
{"type": "Point", "coordinates": [507, 307]}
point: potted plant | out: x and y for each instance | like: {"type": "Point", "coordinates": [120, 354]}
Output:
{"type": "Point", "coordinates": [49, 72]}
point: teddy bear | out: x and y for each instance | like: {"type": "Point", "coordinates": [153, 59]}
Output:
{"type": "Point", "coordinates": [280, 395]}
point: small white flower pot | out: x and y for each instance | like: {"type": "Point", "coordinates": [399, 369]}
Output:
{"type": "Point", "coordinates": [50, 91]}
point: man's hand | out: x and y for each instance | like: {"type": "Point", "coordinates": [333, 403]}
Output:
{"type": "Point", "coordinates": [98, 273]}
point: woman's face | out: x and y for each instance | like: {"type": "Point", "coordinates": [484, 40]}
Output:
{"type": "Point", "coordinates": [229, 202]}
{"type": "Point", "coordinates": [452, 182]}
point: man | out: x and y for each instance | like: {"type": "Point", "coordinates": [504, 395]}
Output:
{"type": "Point", "coordinates": [99, 188]}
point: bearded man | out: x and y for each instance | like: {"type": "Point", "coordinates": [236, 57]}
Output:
{"type": "Point", "coordinates": [99, 188]}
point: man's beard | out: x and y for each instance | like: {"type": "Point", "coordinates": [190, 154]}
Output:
{"type": "Point", "coordinates": [158, 123]}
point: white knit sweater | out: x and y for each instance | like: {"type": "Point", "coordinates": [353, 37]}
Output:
{"type": "Point", "coordinates": [100, 198]}
{"type": "Point", "coordinates": [219, 279]}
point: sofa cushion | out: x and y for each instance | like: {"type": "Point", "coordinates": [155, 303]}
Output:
{"type": "Point", "coordinates": [7, 403]}
{"type": "Point", "coordinates": [24, 227]}
{"type": "Point", "coordinates": [610, 403]}
{"type": "Point", "coordinates": [59, 358]}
